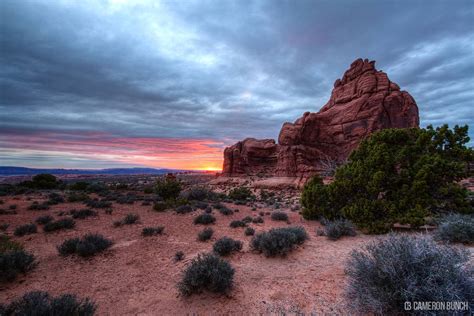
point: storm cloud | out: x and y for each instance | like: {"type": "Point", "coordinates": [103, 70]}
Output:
{"type": "Point", "coordinates": [203, 74]}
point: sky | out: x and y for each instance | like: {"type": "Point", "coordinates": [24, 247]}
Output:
{"type": "Point", "coordinates": [102, 84]}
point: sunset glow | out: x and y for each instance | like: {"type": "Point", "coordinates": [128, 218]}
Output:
{"type": "Point", "coordinates": [175, 153]}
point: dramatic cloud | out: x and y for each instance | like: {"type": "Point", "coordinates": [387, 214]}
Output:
{"type": "Point", "coordinates": [107, 83]}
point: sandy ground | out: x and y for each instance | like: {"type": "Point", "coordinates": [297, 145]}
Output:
{"type": "Point", "coordinates": [138, 275]}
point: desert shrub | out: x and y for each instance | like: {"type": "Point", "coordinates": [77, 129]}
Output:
{"type": "Point", "coordinates": [200, 205]}
{"type": "Point", "coordinates": [55, 198]}
{"type": "Point", "coordinates": [338, 228]}
{"type": "Point", "coordinates": [168, 188]}
{"type": "Point", "coordinates": [78, 186]}
{"type": "Point", "coordinates": [12, 207]}
{"type": "Point", "coordinates": [88, 245]}
{"type": "Point", "coordinates": [241, 194]}
{"type": "Point", "coordinates": [401, 268]}
{"type": "Point", "coordinates": [218, 206]}
{"type": "Point", "coordinates": [208, 210]}
{"type": "Point", "coordinates": [26, 229]}
{"type": "Point", "coordinates": [82, 214]}
{"type": "Point", "coordinates": [178, 256]}
{"type": "Point", "coordinates": [38, 303]}
{"type": "Point", "coordinates": [13, 259]}
{"type": "Point", "coordinates": [196, 193]}
{"type": "Point", "coordinates": [205, 234]}
{"type": "Point", "coordinates": [45, 219]}
{"type": "Point", "coordinates": [278, 241]}
{"type": "Point", "coordinates": [396, 175]}
{"type": "Point", "coordinates": [247, 219]}
{"type": "Point", "coordinates": [226, 211]}
{"type": "Point", "coordinates": [41, 182]}
{"type": "Point", "coordinates": [63, 223]}
{"type": "Point", "coordinates": [456, 228]}
{"type": "Point", "coordinates": [207, 272]}
{"type": "Point", "coordinates": [184, 209]}
{"type": "Point", "coordinates": [6, 244]}
{"type": "Point", "coordinates": [148, 190]}
{"type": "Point", "coordinates": [225, 246]}
{"type": "Point", "coordinates": [257, 220]}
{"type": "Point", "coordinates": [130, 219]}
{"type": "Point", "coordinates": [279, 216]}
{"type": "Point", "coordinates": [77, 197]}
{"type": "Point", "coordinates": [35, 206]}
{"type": "Point", "coordinates": [160, 206]}
{"type": "Point", "coordinates": [235, 224]}
{"type": "Point", "coordinates": [152, 231]}
{"type": "Point", "coordinates": [129, 198]}
{"type": "Point", "coordinates": [97, 187]}
{"type": "Point", "coordinates": [249, 231]}
{"type": "Point", "coordinates": [96, 203]}
{"type": "Point", "coordinates": [4, 226]}
{"type": "Point", "coordinates": [204, 219]}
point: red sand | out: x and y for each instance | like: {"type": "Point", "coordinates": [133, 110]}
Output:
{"type": "Point", "coordinates": [138, 275]}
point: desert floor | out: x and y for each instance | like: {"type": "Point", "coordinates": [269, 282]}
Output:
{"type": "Point", "coordinates": [138, 275]}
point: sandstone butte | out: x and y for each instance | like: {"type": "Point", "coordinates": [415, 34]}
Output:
{"type": "Point", "coordinates": [363, 101]}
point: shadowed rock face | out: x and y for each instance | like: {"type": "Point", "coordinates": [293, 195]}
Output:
{"type": "Point", "coordinates": [362, 102]}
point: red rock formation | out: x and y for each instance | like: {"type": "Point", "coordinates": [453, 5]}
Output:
{"type": "Point", "coordinates": [250, 156]}
{"type": "Point", "coordinates": [362, 102]}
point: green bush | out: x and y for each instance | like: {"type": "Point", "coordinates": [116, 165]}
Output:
{"type": "Point", "coordinates": [96, 203]}
{"type": "Point", "coordinates": [237, 223]}
{"type": "Point", "coordinates": [402, 268]}
{"type": "Point", "coordinates": [86, 246]}
{"type": "Point", "coordinates": [82, 214]}
{"type": "Point", "coordinates": [64, 223]}
{"type": "Point", "coordinates": [338, 228]}
{"type": "Point", "coordinates": [207, 272]}
{"type": "Point", "coordinates": [152, 231]}
{"type": "Point", "coordinates": [249, 231]}
{"type": "Point", "coordinates": [78, 186]}
{"type": "Point", "coordinates": [197, 194]}
{"type": "Point", "coordinates": [241, 194]}
{"type": "Point", "coordinates": [205, 234]}
{"type": "Point", "coordinates": [168, 188]}
{"type": "Point", "coordinates": [279, 216]}
{"type": "Point", "coordinates": [45, 219]}
{"type": "Point", "coordinates": [225, 246]}
{"type": "Point", "coordinates": [178, 256]}
{"type": "Point", "coordinates": [6, 244]}
{"type": "Point", "coordinates": [184, 209]}
{"type": "Point", "coordinates": [161, 206]}
{"type": "Point", "coordinates": [25, 229]}
{"type": "Point", "coordinates": [41, 181]}
{"type": "Point", "coordinates": [456, 228]}
{"type": "Point", "coordinates": [226, 211]}
{"type": "Point", "coordinates": [39, 303]}
{"type": "Point", "coordinates": [204, 219]}
{"type": "Point", "coordinates": [129, 219]}
{"type": "Point", "coordinates": [35, 206]}
{"type": "Point", "coordinates": [247, 219]}
{"type": "Point", "coordinates": [77, 197]}
{"type": "Point", "coordinates": [14, 260]}
{"type": "Point", "coordinates": [278, 241]}
{"type": "Point", "coordinates": [396, 175]}
{"type": "Point", "coordinates": [55, 198]}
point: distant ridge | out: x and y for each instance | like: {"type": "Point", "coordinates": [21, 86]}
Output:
{"type": "Point", "coordinates": [20, 171]}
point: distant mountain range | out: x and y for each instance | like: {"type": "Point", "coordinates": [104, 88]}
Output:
{"type": "Point", "coordinates": [21, 171]}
